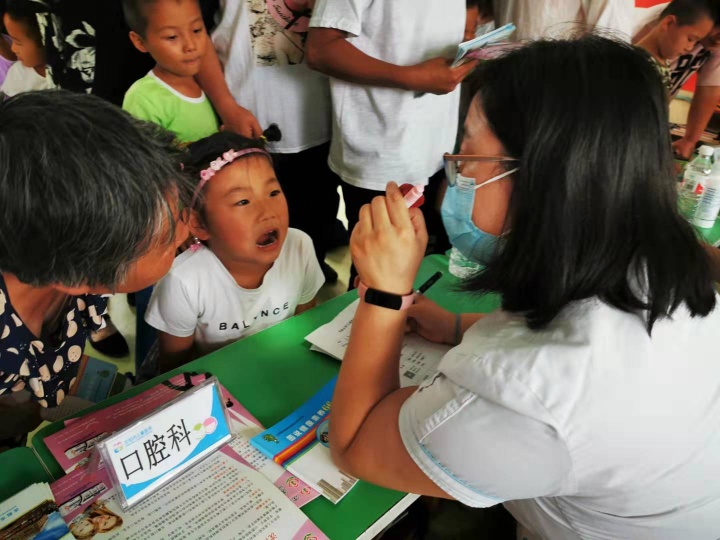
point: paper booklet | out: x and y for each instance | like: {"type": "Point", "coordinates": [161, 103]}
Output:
{"type": "Point", "coordinates": [300, 443]}
{"type": "Point", "coordinates": [72, 446]}
{"type": "Point", "coordinates": [222, 497]}
{"type": "Point", "coordinates": [32, 515]}
{"type": "Point", "coordinates": [472, 48]}
{"type": "Point", "coordinates": [419, 358]}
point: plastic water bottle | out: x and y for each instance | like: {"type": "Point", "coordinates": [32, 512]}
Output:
{"type": "Point", "coordinates": [461, 266]}
{"type": "Point", "coordinates": [709, 205]}
{"type": "Point", "coordinates": [693, 183]}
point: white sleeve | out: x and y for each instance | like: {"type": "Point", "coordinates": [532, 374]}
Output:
{"type": "Point", "coordinates": [313, 277]}
{"type": "Point", "coordinates": [170, 309]}
{"type": "Point", "coordinates": [709, 73]}
{"type": "Point", "coordinates": [480, 451]}
{"type": "Point", "coordinates": [345, 15]}
{"type": "Point", "coordinates": [613, 15]}
{"type": "Point", "coordinates": [13, 80]}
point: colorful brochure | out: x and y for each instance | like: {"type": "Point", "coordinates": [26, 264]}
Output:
{"type": "Point", "coordinates": [301, 444]}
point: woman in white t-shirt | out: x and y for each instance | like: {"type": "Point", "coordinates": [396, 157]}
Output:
{"type": "Point", "coordinates": [589, 403]}
{"type": "Point", "coordinates": [247, 270]}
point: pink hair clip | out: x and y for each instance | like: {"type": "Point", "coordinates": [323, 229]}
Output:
{"type": "Point", "coordinates": [216, 165]}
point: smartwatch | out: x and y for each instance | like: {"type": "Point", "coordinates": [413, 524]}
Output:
{"type": "Point", "coordinates": [384, 299]}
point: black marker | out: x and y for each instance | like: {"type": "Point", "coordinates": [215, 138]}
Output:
{"type": "Point", "coordinates": [429, 283]}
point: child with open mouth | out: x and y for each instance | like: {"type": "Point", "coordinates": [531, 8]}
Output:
{"type": "Point", "coordinates": [247, 269]}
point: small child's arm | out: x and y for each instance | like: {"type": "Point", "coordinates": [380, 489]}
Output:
{"type": "Point", "coordinates": [304, 307]}
{"type": "Point", "coordinates": [174, 351]}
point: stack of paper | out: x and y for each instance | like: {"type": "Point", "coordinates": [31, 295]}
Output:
{"type": "Point", "coordinates": [469, 49]}
{"type": "Point", "coordinates": [419, 358]}
{"type": "Point", "coordinates": [301, 444]}
{"type": "Point", "coordinates": [32, 514]}
{"type": "Point", "coordinates": [222, 498]}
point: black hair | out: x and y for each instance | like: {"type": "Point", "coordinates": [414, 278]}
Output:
{"type": "Point", "coordinates": [203, 152]}
{"type": "Point", "coordinates": [593, 211]}
{"type": "Point", "coordinates": [690, 11]}
{"type": "Point", "coordinates": [25, 13]}
{"type": "Point", "coordinates": [84, 189]}
{"type": "Point", "coordinates": [136, 14]}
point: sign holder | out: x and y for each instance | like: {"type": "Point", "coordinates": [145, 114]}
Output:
{"type": "Point", "coordinates": [158, 448]}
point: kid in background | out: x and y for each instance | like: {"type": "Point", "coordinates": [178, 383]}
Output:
{"type": "Point", "coordinates": [703, 59]}
{"type": "Point", "coordinates": [28, 73]}
{"type": "Point", "coordinates": [247, 270]}
{"type": "Point", "coordinates": [173, 33]}
{"type": "Point", "coordinates": [682, 24]}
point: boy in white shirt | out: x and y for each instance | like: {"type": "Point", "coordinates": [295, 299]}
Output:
{"type": "Point", "coordinates": [28, 73]}
{"type": "Point", "coordinates": [395, 96]}
{"type": "Point", "coordinates": [247, 270]}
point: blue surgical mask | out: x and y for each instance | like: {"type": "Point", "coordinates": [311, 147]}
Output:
{"type": "Point", "coordinates": [474, 243]}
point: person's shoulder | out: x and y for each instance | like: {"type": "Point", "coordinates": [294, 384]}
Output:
{"type": "Point", "coordinates": [142, 85]}
{"type": "Point", "coordinates": [297, 239]}
{"type": "Point", "coordinates": [21, 79]}
{"type": "Point", "coordinates": [502, 344]}
{"type": "Point", "coordinates": [192, 267]}
{"type": "Point", "coordinates": [298, 247]}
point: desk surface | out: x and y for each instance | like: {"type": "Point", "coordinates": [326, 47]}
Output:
{"type": "Point", "coordinates": [20, 468]}
{"type": "Point", "coordinates": [274, 372]}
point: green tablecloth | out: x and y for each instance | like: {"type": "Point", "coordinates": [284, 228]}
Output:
{"type": "Point", "coordinates": [19, 468]}
{"type": "Point", "coordinates": [274, 372]}
{"type": "Point", "coordinates": [711, 236]}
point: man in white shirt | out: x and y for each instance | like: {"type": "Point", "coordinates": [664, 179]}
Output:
{"type": "Point", "coordinates": [262, 48]}
{"type": "Point", "coordinates": [395, 97]}
{"type": "Point", "coordinates": [704, 60]}
{"type": "Point", "coordinates": [536, 20]}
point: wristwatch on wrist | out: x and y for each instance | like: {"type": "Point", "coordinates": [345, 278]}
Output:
{"type": "Point", "coordinates": [384, 299]}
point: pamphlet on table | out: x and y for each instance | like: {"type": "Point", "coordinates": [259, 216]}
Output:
{"type": "Point", "coordinates": [32, 515]}
{"type": "Point", "coordinates": [419, 358]}
{"type": "Point", "coordinates": [301, 444]}
{"type": "Point", "coordinates": [222, 497]}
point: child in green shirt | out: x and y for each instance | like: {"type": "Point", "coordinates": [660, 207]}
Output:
{"type": "Point", "coordinates": [173, 33]}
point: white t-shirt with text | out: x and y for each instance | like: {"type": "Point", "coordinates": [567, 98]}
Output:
{"type": "Point", "coordinates": [384, 134]}
{"type": "Point", "coordinates": [266, 73]}
{"type": "Point", "coordinates": [200, 297]}
{"type": "Point", "coordinates": [588, 429]}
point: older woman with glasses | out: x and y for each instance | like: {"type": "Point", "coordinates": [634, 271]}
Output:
{"type": "Point", "coordinates": [588, 403]}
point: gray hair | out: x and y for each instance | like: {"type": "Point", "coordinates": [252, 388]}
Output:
{"type": "Point", "coordinates": [84, 189]}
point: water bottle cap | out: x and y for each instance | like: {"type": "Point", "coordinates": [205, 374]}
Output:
{"type": "Point", "coordinates": [706, 150]}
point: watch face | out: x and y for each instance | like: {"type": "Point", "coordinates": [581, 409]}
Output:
{"type": "Point", "coordinates": [383, 299]}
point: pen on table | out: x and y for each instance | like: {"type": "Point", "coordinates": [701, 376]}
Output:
{"type": "Point", "coordinates": [429, 283]}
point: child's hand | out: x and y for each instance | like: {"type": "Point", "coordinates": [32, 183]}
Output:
{"type": "Point", "coordinates": [683, 148]}
{"type": "Point", "coordinates": [388, 243]}
{"type": "Point", "coordinates": [437, 77]}
{"type": "Point", "coordinates": [242, 122]}
{"type": "Point", "coordinates": [430, 321]}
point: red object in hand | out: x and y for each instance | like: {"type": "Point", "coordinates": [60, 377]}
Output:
{"type": "Point", "coordinates": [405, 189]}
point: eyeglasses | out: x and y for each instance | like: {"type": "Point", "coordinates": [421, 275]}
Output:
{"type": "Point", "coordinates": [453, 162]}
